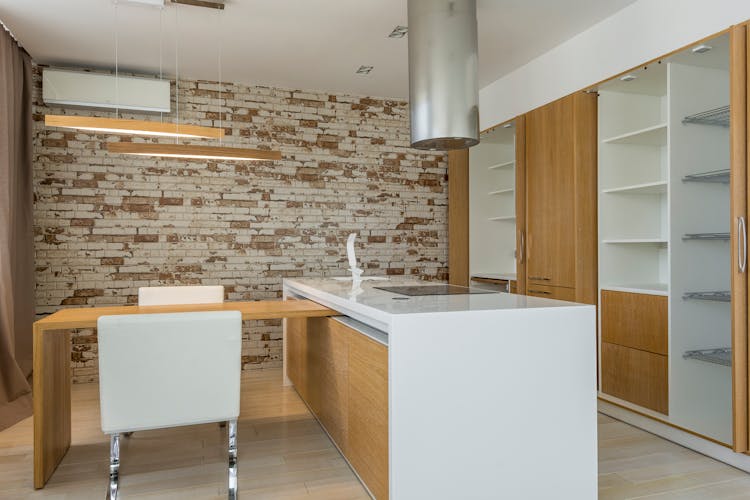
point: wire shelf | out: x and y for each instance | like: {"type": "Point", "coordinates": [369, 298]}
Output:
{"type": "Point", "coordinates": [721, 356]}
{"type": "Point", "coordinates": [706, 236]}
{"type": "Point", "coordinates": [715, 176]}
{"type": "Point", "coordinates": [721, 296]}
{"type": "Point", "coordinates": [718, 116]}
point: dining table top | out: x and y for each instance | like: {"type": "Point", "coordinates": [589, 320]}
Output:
{"type": "Point", "coordinates": [87, 317]}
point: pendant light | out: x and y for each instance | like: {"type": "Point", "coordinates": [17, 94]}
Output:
{"type": "Point", "coordinates": [443, 88]}
{"type": "Point", "coordinates": [125, 126]}
{"type": "Point", "coordinates": [199, 152]}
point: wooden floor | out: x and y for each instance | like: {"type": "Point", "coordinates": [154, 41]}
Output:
{"type": "Point", "coordinates": [285, 454]}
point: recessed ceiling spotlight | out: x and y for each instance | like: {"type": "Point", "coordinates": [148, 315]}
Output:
{"type": "Point", "coordinates": [628, 78]}
{"type": "Point", "coordinates": [399, 32]}
{"type": "Point", "coordinates": [507, 125]}
{"type": "Point", "coordinates": [364, 70]}
{"type": "Point", "coordinates": [702, 48]}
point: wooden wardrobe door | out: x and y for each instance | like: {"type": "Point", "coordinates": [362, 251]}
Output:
{"type": "Point", "coordinates": [550, 179]}
{"type": "Point", "coordinates": [739, 138]}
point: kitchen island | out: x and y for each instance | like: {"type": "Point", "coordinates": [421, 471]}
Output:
{"type": "Point", "coordinates": [476, 396]}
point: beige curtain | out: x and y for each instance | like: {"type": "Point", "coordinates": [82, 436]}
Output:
{"type": "Point", "coordinates": [16, 232]}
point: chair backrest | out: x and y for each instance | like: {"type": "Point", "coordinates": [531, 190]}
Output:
{"type": "Point", "coordinates": [166, 370]}
{"type": "Point", "coordinates": [166, 295]}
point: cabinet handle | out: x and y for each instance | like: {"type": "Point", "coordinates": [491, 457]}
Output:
{"type": "Point", "coordinates": [540, 291]}
{"type": "Point", "coordinates": [741, 244]}
{"type": "Point", "coordinates": [538, 278]}
{"type": "Point", "coordinates": [522, 251]}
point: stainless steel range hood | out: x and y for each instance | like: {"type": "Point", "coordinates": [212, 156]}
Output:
{"type": "Point", "coordinates": [443, 90]}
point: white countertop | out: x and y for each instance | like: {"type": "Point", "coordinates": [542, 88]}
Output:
{"type": "Point", "coordinates": [377, 307]}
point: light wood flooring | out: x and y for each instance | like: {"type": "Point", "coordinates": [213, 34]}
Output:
{"type": "Point", "coordinates": [283, 454]}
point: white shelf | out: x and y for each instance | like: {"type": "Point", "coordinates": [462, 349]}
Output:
{"type": "Point", "coordinates": [635, 241]}
{"type": "Point", "coordinates": [504, 217]}
{"type": "Point", "coordinates": [645, 188]}
{"type": "Point", "coordinates": [501, 191]}
{"type": "Point", "coordinates": [501, 165]}
{"type": "Point", "coordinates": [649, 136]}
{"type": "Point", "coordinates": [645, 288]}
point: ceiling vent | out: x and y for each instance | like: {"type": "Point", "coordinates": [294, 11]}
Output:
{"type": "Point", "coordinates": [97, 90]}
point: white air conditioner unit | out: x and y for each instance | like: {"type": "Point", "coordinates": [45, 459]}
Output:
{"type": "Point", "coordinates": [96, 90]}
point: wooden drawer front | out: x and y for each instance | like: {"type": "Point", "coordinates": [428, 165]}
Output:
{"type": "Point", "coordinates": [636, 376]}
{"type": "Point", "coordinates": [551, 292]}
{"type": "Point", "coordinates": [635, 320]}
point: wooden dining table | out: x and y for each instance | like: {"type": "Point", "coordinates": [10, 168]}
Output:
{"type": "Point", "coordinates": [52, 373]}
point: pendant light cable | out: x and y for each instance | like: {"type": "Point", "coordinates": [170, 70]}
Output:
{"type": "Point", "coordinates": [161, 49]}
{"type": "Point", "coordinates": [177, 68]}
{"type": "Point", "coordinates": [220, 87]}
{"type": "Point", "coordinates": [117, 69]}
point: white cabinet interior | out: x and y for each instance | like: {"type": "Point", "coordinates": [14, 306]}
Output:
{"type": "Point", "coordinates": [492, 213]}
{"type": "Point", "coordinates": [664, 219]}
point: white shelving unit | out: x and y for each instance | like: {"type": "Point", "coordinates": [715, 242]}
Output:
{"type": "Point", "coordinates": [633, 184]}
{"type": "Point", "coordinates": [664, 220]}
{"type": "Point", "coordinates": [492, 212]}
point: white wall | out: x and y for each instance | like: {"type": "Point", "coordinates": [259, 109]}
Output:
{"type": "Point", "coordinates": [638, 33]}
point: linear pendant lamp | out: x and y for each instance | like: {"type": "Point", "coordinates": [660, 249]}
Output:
{"type": "Point", "coordinates": [135, 127]}
{"type": "Point", "coordinates": [191, 151]}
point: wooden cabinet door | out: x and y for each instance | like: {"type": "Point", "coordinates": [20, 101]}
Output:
{"type": "Point", "coordinates": [368, 412]}
{"type": "Point", "coordinates": [550, 179]}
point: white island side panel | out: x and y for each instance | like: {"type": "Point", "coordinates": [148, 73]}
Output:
{"type": "Point", "coordinates": [493, 404]}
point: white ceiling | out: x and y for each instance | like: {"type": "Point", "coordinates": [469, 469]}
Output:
{"type": "Point", "coordinates": [301, 44]}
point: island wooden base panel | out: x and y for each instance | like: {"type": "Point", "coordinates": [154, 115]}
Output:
{"type": "Point", "coordinates": [284, 454]}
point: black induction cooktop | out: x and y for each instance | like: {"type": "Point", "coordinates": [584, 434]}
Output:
{"type": "Point", "coordinates": [432, 290]}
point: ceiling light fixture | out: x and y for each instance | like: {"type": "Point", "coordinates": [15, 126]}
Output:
{"type": "Point", "coordinates": [364, 70]}
{"type": "Point", "coordinates": [197, 152]}
{"type": "Point", "coordinates": [200, 3]}
{"type": "Point", "coordinates": [134, 127]}
{"type": "Point", "coordinates": [628, 78]}
{"type": "Point", "coordinates": [701, 49]}
{"type": "Point", "coordinates": [399, 32]}
{"type": "Point", "coordinates": [191, 151]}
{"type": "Point", "coordinates": [119, 125]}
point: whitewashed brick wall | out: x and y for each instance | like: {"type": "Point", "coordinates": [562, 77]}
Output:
{"type": "Point", "coordinates": [106, 224]}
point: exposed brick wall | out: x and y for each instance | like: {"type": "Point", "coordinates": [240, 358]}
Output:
{"type": "Point", "coordinates": [107, 224]}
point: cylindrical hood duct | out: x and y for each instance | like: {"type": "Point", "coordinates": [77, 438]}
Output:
{"type": "Point", "coordinates": [443, 91]}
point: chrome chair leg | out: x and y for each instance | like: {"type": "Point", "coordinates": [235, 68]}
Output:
{"type": "Point", "coordinates": [114, 466]}
{"type": "Point", "coordinates": [232, 490]}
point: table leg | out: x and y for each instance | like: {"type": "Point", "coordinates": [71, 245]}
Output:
{"type": "Point", "coordinates": [51, 401]}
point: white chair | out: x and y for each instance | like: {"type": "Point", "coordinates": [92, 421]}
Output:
{"type": "Point", "coordinates": [168, 370]}
{"type": "Point", "coordinates": [169, 295]}
{"type": "Point", "coordinates": [177, 295]}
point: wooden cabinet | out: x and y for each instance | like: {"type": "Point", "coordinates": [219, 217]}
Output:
{"type": "Point", "coordinates": [343, 377]}
{"type": "Point", "coordinates": [560, 166]}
